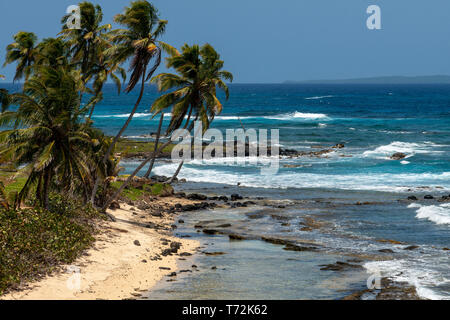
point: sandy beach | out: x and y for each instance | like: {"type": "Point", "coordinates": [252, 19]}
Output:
{"type": "Point", "coordinates": [125, 260]}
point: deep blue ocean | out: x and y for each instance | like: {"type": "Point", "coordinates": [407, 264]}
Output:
{"type": "Point", "coordinates": [373, 122]}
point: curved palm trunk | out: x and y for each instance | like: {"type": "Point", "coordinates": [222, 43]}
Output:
{"type": "Point", "coordinates": [176, 173]}
{"type": "Point", "coordinates": [119, 134]}
{"type": "Point", "coordinates": [182, 162]}
{"type": "Point", "coordinates": [130, 178]}
{"type": "Point", "coordinates": [93, 107]}
{"type": "Point", "coordinates": [158, 134]}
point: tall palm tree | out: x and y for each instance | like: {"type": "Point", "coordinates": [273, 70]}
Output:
{"type": "Point", "coordinates": [22, 52]}
{"type": "Point", "coordinates": [87, 50]}
{"type": "Point", "coordinates": [84, 42]}
{"type": "Point", "coordinates": [47, 140]}
{"type": "Point", "coordinates": [139, 41]}
{"type": "Point", "coordinates": [194, 94]}
{"type": "Point", "coordinates": [193, 88]}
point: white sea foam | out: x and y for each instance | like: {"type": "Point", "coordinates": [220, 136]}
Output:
{"type": "Point", "coordinates": [299, 115]}
{"type": "Point", "coordinates": [439, 214]}
{"type": "Point", "coordinates": [318, 97]}
{"type": "Point", "coordinates": [222, 173]}
{"type": "Point", "coordinates": [124, 115]}
{"type": "Point", "coordinates": [408, 148]}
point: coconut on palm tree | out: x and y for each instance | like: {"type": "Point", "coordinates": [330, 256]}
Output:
{"type": "Point", "coordinates": [22, 52]}
{"type": "Point", "coordinates": [138, 42]}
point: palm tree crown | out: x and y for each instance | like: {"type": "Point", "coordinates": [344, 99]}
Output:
{"type": "Point", "coordinates": [194, 87]}
{"type": "Point", "coordinates": [22, 52]}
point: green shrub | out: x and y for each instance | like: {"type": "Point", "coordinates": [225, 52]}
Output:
{"type": "Point", "coordinates": [160, 189]}
{"type": "Point", "coordinates": [33, 242]}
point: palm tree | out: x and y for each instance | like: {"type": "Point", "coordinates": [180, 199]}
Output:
{"type": "Point", "coordinates": [47, 140]}
{"type": "Point", "coordinates": [84, 42]}
{"type": "Point", "coordinates": [22, 51]}
{"type": "Point", "coordinates": [87, 50]}
{"type": "Point", "coordinates": [194, 94]}
{"type": "Point", "coordinates": [138, 42]}
{"type": "Point", "coordinates": [193, 89]}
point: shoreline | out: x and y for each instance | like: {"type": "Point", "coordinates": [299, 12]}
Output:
{"type": "Point", "coordinates": [125, 261]}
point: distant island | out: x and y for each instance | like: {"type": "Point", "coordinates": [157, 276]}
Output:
{"type": "Point", "coordinates": [437, 79]}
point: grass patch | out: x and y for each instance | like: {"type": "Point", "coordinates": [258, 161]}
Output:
{"type": "Point", "coordinates": [128, 147]}
{"type": "Point", "coordinates": [133, 194]}
{"type": "Point", "coordinates": [34, 242]}
{"type": "Point", "coordinates": [129, 192]}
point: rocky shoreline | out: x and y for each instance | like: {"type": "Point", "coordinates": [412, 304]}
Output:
{"type": "Point", "coordinates": [390, 290]}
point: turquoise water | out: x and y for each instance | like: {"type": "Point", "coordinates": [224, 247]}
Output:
{"type": "Point", "coordinates": [372, 121]}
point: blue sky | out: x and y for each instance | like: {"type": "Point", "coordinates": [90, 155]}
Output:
{"type": "Point", "coordinates": [266, 41]}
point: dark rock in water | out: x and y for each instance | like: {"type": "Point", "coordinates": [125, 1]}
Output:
{"type": "Point", "coordinates": [223, 198]}
{"type": "Point", "coordinates": [398, 156]}
{"type": "Point", "coordinates": [196, 196]}
{"type": "Point", "coordinates": [236, 237]}
{"type": "Point", "coordinates": [235, 197]}
{"type": "Point", "coordinates": [180, 221]}
{"type": "Point", "coordinates": [276, 241]}
{"type": "Point", "coordinates": [428, 197]}
{"type": "Point", "coordinates": [338, 146]}
{"type": "Point", "coordinates": [340, 266]}
{"type": "Point", "coordinates": [216, 253]}
{"type": "Point", "coordinates": [185, 270]}
{"type": "Point", "coordinates": [210, 231]}
{"type": "Point", "coordinates": [411, 248]}
{"type": "Point", "coordinates": [446, 249]}
{"type": "Point", "coordinates": [137, 243]}
{"type": "Point", "coordinates": [185, 254]}
{"type": "Point", "coordinates": [278, 217]}
{"type": "Point", "coordinates": [413, 198]}
{"type": "Point", "coordinates": [173, 274]}
{"type": "Point", "coordinates": [293, 247]}
{"type": "Point", "coordinates": [213, 268]}
{"type": "Point", "coordinates": [386, 250]}
{"type": "Point", "coordinates": [225, 225]}
{"type": "Point", "coordinates": [444, 198]}
{"type": "Point", "coordinates": [114, 205]}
